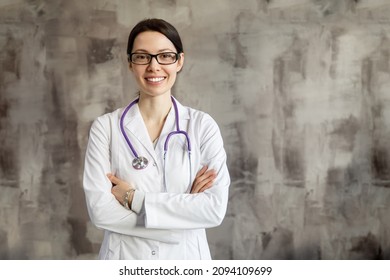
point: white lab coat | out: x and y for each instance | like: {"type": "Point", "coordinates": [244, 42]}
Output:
{"type": "Point", "coordinates": [164, 224]}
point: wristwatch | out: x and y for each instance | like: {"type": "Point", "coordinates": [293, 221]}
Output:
{"type": "Point", "coordinates": [126, 199]}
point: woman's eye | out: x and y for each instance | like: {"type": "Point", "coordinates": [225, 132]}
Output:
{"type": "Point", "coordinates": [166, 55]}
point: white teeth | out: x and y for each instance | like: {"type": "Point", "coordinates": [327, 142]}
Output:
{"type": "Point", "coordinates": [155, 80]}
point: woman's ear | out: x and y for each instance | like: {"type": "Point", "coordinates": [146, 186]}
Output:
{"type": "Point", "coordinates": [130, 64]}
{"type": "Point", "coordinates": [180, 62]}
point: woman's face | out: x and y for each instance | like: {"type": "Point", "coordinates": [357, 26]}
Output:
{"type": "Point", "coordinates": [155, 79]}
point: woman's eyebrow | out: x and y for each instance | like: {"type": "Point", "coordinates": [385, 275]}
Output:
{"type": "Point", "coordinates": [159, 51]}
{"type": "Point", "coordinates": [141, 50]}
{"type": "Point", "coordinates": [164, 50]}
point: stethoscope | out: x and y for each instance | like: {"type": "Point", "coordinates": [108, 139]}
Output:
{"type": "Point", "coordinates": [141, 162]}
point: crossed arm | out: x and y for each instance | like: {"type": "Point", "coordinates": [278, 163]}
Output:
{"type": "Point", "coordinates": [203, 180]}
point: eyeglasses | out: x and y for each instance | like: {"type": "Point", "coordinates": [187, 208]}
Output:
{"type": "Point", "coordinates": [164, 58]}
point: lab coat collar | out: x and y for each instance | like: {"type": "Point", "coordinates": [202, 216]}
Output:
{"type": "Point", "coordinates": [183, 111]}
{"type": "Point", "coordinates": [134, 113]}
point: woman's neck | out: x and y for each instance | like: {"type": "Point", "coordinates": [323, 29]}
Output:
{"type": "Point", "coordinates": [154, 109]}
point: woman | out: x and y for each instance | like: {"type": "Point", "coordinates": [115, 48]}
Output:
{"type": "Point", "coordinates": [153, 191]}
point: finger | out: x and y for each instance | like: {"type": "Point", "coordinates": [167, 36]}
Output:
{"type": "Point", "coordinates": [201, 171]}
{"type": "Point", "coordinates": [207, 175]}
{"type": "Point", "coordinates": [198, 185]}
{"type": "Point", "coordinates": [113, 179]}
{"type": "Point", "coordinates": [202, 175]}
{"type": "Point", "coordinates": [210, 173]}
{"type": "Point", "coordinates": [203, 186]}
{"type": "Point", "coordinates": [207, 186]}
{"type": "Point", "coordinates": [202, 180]}
{"type": "Point", "coordinates": [114, 190]}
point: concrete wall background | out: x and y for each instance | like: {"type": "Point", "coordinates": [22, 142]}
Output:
{"type": "Point", "coordinates": [300, 89]}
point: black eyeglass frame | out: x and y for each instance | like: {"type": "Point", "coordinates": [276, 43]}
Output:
{"type": "Point", "coordinates": [129, 56]}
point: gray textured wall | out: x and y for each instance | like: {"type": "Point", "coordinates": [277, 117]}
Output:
{"type": "Point", "coordinates": [300, 89]}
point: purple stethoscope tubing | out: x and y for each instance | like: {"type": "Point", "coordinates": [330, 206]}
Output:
{"type": "Point", "coordinates": [143, 162]}
{"type": "Point", "coordinates": [123, 129]}
{"type": "Point", "coordinates": [178, 131]}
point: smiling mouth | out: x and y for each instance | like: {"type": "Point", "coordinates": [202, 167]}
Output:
{"type": "Point", "coordinates": [155, 80]}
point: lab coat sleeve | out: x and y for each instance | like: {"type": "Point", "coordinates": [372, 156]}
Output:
{"type": "Point", "coordinates": [193, 211]}
{"type": "Point", "coordinates": [104, 210]}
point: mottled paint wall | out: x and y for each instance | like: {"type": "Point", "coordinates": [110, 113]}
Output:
{"type": "Point", "coordinates": [300, 89]}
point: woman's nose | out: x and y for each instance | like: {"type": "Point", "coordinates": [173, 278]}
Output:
{"type": "Point", "coordinates": [153, 64]}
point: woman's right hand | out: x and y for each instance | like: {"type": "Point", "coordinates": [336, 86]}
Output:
{"type": "Point", "coordinates": [204, 180]}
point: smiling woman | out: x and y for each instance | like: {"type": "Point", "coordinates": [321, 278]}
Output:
{"type": "Point", "coordinates": [140, 161]}
{"type": "Point", "coordinates": [155, 62]}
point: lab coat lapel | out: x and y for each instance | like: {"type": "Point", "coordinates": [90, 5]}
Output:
{"type": "Point", "coordinates": [135, 125]}
{"type": "Point", "coordinates": [183, 115]}
{"type": "Point", "coordinates": [170, 122]}
{"type": "Point", "coordinates": [170, 126]}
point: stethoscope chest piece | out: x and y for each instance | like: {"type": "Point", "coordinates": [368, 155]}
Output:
{"type": "Point", "coordinates": [140, 163]}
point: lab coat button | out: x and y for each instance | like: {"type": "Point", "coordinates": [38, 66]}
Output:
{"type": "Point", "coordinates": [154, 164]}
{"type": "Point", "coordinates": [153, 253]}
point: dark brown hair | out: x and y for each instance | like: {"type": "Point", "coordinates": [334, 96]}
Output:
{"type": "Point", "coordinates": [158, 25]}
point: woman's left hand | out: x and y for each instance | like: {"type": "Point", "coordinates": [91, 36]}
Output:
{"type": "Point", "coordinates": [204, 180]}
{"type": "Point", "coordinates": [120, 188]}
